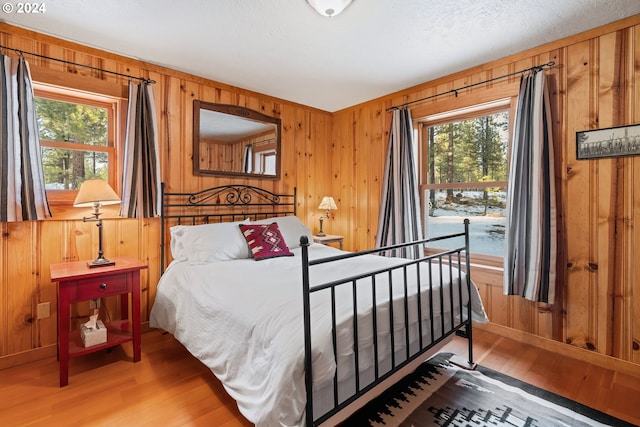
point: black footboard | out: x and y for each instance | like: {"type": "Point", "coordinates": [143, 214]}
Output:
{"type": "Point", "coordinates": [438, 303]}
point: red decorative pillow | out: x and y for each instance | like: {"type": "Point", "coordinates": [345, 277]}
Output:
{"type": "Point", "coordinates": [265, 240]}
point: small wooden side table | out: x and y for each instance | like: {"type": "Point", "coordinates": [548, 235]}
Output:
{"type": "Point", "coordinates": [329, 239]}
{"type": "Point", "coordinates": [77, 282]}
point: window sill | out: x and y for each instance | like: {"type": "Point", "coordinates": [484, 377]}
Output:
{"type": "Point", "coordinates": [488, 262]}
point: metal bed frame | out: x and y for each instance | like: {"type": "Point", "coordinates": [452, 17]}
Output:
{"type": "Point", "coordinates": [238, 202]}
{"type": "Point", "coordinates": [225, 203]}
{"type": "Point", "coordinates": [449, 259]}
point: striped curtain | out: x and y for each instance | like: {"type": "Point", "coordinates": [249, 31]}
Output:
{"type": "Point", "coordinates": [22, 190]}
{"type": "Point", "coordinates": [141, 176]}
{"type": "Point", "coordinates": [247, 161]}
{"type": "Point", "coordinates": [531, 241]}
{"type": "Point", "coordinates": [399, 217]}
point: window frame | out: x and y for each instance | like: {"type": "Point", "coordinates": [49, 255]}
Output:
{"type": "Point", "coordinates": [422, 126]}
{"type": "Point", "coordinates": [114, 107]}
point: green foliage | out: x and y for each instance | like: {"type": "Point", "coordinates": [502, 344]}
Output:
{"type": "Point", "coordinates": [470, 150]}
{"type": "Point", "coordinates": [79, 124]}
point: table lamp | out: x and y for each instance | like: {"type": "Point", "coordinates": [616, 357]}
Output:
{"type": "Point", "coordinates": [95, 193]}
{"type": "Point", "coordinates": [329, 204]}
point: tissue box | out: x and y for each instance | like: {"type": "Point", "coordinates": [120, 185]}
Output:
{"type": "Point", "coordinates": [94, 336]}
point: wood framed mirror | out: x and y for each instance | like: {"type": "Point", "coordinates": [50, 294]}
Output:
{"type": "Point", "coordinates": [229, 140]}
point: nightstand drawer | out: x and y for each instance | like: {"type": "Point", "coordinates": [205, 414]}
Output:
{"type": "Point", "coordinates": [102, 287]}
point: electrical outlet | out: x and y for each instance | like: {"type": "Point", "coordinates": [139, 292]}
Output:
{"type": "Point", "coordinates": [44, 310]}
{"type": "Point", "coordinates": [94, 303]}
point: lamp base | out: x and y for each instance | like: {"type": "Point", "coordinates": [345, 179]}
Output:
{"type": "Point", "coordinates": [321, 233]}
{"type": "Point", "coordinates": [100, 262]}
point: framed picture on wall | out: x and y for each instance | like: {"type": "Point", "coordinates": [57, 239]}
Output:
{"type": "Point", "coordinates": [609, 142]}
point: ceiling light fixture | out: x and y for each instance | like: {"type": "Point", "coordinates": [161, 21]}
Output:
{"type": "Point", "coordinates": [329, 7]}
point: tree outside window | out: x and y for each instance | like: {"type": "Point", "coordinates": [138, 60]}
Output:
{"type": "Point", "coordinates": [464, 173]}
{"type": "Point", "coordinates": [76, 137]}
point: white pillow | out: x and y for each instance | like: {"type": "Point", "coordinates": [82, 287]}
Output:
{"type": "Point", "coordinates": [291, 228]}
{"type": "Point", "coordinates": [208, 242]}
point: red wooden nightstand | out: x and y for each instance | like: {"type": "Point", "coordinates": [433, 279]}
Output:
{"type": "Point", "coordinates": [78, 282]}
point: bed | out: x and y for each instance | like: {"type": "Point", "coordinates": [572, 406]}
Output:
{"type": "Point", "coordinates": [299, 334]}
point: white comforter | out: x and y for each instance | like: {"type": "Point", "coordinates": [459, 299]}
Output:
{"type": "Point", "coordinates": [243, 319]}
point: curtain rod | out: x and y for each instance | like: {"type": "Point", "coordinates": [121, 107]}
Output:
{"type": "Point", "coordinates": [455, 91]}
{"type": "Point", "coordinates": [21, 52]}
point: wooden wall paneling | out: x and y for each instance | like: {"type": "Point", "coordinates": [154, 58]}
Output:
{"type": "Point", "coordinates": [35, 262]}
{"type": "Point", "coordinates": [362, 148]}
{"type": "Point", "coordinates": [209, 94]}
{"type": "Point", "coordinates": [79, 58]}
{"type": "Point", "coordinates": [301, 147]}
{"type": "Point", "coordinates": [289, 156]}
{"type": "Point", "coordinates": [544, 321]}
{"type": "Point", "coordinates": [634, 280]}
{"type": "Point", "coordinates": [131, 69]}
{"type": "Point", "coordinates": [489, 283]}
{"type": "Point", "coordinates": [188, 92]}
{"type": "Point", "coordinates": [622, 330]}
{"type": "Point", "coordinates": [128, 240]}
{"type": "Point", "coordinates": [340, 130]}
{"type": "Point", "coordinates": [378, 137]}
{"type": "Point", "coordinates": [522, 314]}
{"type": "Point", "coordinates": [150, 254]}
{"type": "Point", "coordinates": [226, 96]}
{"type": "Point", "coordinates": [313, 175]}
{"type": "Point", "coordinates": [52, 51]}
{"type": "Point", "coordinates": [50, 231]}
{"type": "Point", "coordinates": [364, 152]}
{"type": "Point", "coordinates": [578, 196]}
{"type": "Point", "coordinates": [22, 43]}
{"type": "Point", "coordinates": [21, 286]}
{"type": "Point", "coordinates": [606, 194]}
{"type": "Point", "coordinates": [568, 161]}
{"type": "Point", "coordinates": [319, 176]}
{"type": "Point", "coordinates": [173, 148]}
{"type": "Point", "coordinates": [622, 298]}
{"type": "Point", "coordinates": [634, 201]}
{"type": "Point", "coordinates": [318, 181]}
{"type": "Point", "coordinates": [621, 242]}
{"type": "Point", "coordinates": [346, 163]}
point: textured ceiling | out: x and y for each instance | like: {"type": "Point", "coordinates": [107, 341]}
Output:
{"type": "Point", "coordinates": [285, 49]}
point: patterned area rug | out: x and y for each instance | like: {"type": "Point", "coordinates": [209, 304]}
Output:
{"type": "Point", "coordinates": [439, 393]}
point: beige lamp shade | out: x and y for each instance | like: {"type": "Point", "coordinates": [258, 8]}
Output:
{"type": "Point", "coordinates": [328, 203]}
{"type": "Point", "coordinates": [94, 191]}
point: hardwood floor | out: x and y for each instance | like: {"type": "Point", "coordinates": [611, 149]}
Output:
{"type": "Point", "coordinates": [171, 388]}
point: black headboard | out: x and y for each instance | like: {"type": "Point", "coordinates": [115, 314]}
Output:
{"type": "Point", "coordinates": [225, 203]}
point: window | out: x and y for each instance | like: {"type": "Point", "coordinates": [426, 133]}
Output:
{"type": "Point", "coordinates": [77, 137]}
{"type": "Point", "coordinates": [463, 174]}
{"type": "Point", "coordinates": [265, 162]}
